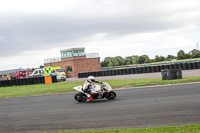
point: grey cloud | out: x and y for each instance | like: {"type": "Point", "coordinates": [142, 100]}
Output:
{"type": "Point", "coordinates": [21, 33]}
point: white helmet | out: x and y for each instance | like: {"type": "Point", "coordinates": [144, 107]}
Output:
{"type": "Point", "coordinates": [91, 79]}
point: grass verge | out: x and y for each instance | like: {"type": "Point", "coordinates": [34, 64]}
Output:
{"type": "Point", "coordinates": [174, 129]}
{"type": "Point", "coordinates": [64, 87]}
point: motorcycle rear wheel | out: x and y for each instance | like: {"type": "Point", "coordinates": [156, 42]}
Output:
{"type": "Point", "coordinates": [111, 95]}
{"type": "Point", "coordinates": [80, 97]}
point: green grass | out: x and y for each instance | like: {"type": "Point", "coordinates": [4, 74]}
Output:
{"type": "Point", "coordinates": [63, 87]}
{"type": "Point", "coordinates": [175, 129]}
{"type": "Point", "coordinates": [151, 81]}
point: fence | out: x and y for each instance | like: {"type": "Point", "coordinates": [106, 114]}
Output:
{"type": "Point", "coordinates": [142, 69]}
{"type": "Point", "coordinates": [25, 81]}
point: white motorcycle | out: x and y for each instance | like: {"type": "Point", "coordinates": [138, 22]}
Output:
{"type": "Point", "coordinates": [97, 92]}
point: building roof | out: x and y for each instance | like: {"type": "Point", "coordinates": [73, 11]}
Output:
{"type": "Point", "coordinates": [72, 49]}
{"type": "Point", "coordinates": [12, 71]}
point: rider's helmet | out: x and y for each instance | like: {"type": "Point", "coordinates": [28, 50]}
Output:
{"type": "Point", "coordinates": [91, 79]}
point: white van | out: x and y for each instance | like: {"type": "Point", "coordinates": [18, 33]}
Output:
{"type": "Point", "coordinates": [37, 73]}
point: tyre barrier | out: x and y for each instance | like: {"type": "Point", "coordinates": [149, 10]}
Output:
{"type": "Point", "coordinates": [189, 65]}
{"type": "Point", "coordinates": [137, 70]}
{"type": "Point", "coordinates": [153, 69]}
{"type": "Point", "coordinates": [26, 81]}
{"type": "Point", "coordinates": [128, 71]}
{"type": "Point", "coordinates": [180, 66]}
{"type": "Point", "coordinates": [157, 68]}
{"type": "Point", "coordinates": [175, 66]}
{"type": "Point", "coordinates": [166, 66]}
{"type": "Point", "coordinates": [97, 74]}
{"type": "Point", "coordinates": [115, 72]}
{"type": "Point", "coordinates": [149, 69]}
{"type": "Point", "coordinates": [132, 71]}
{"type": "Point", "coordinates": [162, 67]}
{"type": "Point", "coordinates": [198, 65]}
{"type": "Point", "coordinates": [124, 72]}
{"type": "Point", "coordinates": [144, 69]}
{"type": "Point", "coordinates": [140, 70]}
{"type": "Point", "coordinates": [169, 74]}
{"type": "Point", "coordinates": [171, 66]}
{"type": "Point", "coordinates": [102, 73]}
{"type": "Point", "coordinates": [194, 65]}
{"type": "Point", "coordinates": [185, 67]}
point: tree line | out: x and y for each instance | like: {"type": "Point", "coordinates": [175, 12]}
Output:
{"type": "Point", "coordinates": [135, 59]}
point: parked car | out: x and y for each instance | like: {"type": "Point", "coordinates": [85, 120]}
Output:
{"type": "Point", "coordinates": [58, 76]}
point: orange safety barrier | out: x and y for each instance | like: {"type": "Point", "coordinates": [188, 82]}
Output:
{"type": "Point", "coordinates": [48, 80]}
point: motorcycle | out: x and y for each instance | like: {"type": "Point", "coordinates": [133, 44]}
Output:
{"type": "Point", "coordinates": [97, 92]}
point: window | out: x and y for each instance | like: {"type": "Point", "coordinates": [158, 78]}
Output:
{"type": "Point", "coordinates": [59, 70]}
{"type": "Point", "coordinates": [69, 69]}
{"type": "Point", "coordinates": [36, 72]}
{"type": "Point", "coordinates": [63, 54]}
{"type": "Point", "coordinates": [75, 52]}
{"type": "Point", "coordinates": [69, 54]}
{"type": "Point", "coordinates": [81, 52]}
{"type": "Point", "coordinates": [66, 54]}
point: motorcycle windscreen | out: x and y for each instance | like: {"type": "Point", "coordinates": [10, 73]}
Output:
{"type": "Point", "coordinates": [78, 88]}
{"type": "Point", "coordinates": [108, 87]}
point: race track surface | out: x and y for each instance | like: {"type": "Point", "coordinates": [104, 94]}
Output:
{"type": "Point", "coordinates": [132, 108]}
{"type": "Point", "coordinates": [185, 73]}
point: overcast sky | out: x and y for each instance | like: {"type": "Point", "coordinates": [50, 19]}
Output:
{"type": "Point", "coordinates": [34, 30]}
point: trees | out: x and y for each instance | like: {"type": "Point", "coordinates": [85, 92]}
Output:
{"type": "Point", "coordinates": [135, 59]}
{"type": "Point", "coordinates": [170, 57]}
{"type": "Point", "coordinates": [118, 60]}
{"type": "Point", "coordinates": [107, 61]}
{"type": "Point", "coordinates": [131, 60]}
{"type": "Point", "coordinates": [157, 58]}
{"type": "Point", "coordinates": [110, 64]}
{"type": "Point", "coordinates": [195, 53]}
{"type": "Point", "coordinates": [143, 59]}
{"type": "Point", "coordinates": [147, 60]}
{"type": "Point", "coordinates": [181, 55]}
{"type": "Point", "coordinates": [41, 66]}
{"type": "Point", "coordinates": [128, 60]}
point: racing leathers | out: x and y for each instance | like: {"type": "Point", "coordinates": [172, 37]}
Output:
{"type": "Point", "coordinates": [87, 86]}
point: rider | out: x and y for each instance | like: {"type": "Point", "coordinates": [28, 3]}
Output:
{"type": "Point", "coordinates": [88, 85]}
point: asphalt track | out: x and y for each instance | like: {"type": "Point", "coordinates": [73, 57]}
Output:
{"type": "Point", "coordinates": [133, 108]}
{"type": "Point", "coordinates": [185, 73]}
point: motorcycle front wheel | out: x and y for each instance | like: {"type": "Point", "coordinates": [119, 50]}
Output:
{"type": "Point", "coordinates": [80, 97]}
{"type": "Point", "coordinates": [111, 95]}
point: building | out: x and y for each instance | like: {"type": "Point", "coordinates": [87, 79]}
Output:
{"type": "Point", "coordinates": [74, 61]}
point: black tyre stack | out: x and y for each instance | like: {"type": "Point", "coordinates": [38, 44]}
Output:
{"type": "Point", "coordinates": [137, 70]}
{"type": "Point", "coordinates": [189, 66]}
{"type": "Point", "coordinates": [25, 81]}
{"type": "Point", "coordinates": [185, 67]}
{"type": "Point", "coordinates": [198, 65]}
{"type": "Point", "coordinates": [169, 74]}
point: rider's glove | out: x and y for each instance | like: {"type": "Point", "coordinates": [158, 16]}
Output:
{"type": "Point", "coordinates": [104, 84]}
